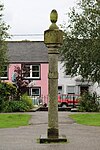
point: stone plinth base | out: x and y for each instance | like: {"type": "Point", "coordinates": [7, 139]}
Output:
{"type": "Point", "coordinates": [60, 139]}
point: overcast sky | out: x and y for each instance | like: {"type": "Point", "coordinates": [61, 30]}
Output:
{"type": "Point", "coordinates": [32, 16]}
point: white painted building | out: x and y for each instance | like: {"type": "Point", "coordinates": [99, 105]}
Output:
{"type": "Point", "coordinates": [74, 85]}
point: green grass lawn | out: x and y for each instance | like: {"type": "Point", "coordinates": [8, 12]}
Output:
{"type": "Point", "coordinates": [92, 119]}
{"type": "Point", "coordinates": [14, 120]}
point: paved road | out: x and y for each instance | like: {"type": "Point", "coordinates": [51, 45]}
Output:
{"type": "Point", "coordinates": [80, 137]}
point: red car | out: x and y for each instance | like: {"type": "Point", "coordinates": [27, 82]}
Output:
{"type": "Point", "coordinates": [66, 100]}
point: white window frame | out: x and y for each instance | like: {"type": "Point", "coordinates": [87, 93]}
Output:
{"type": "Point", "coordinates": [72, 89]}
{"type": "Point", "coordinates": [5, 71]}
{"type": "Point", "coordinates": [31, 71]}
{"type": "Point", "coordinates": [36, 95]}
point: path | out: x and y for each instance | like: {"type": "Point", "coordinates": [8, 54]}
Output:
{"type": "Point", "coordinates": [80, 137]}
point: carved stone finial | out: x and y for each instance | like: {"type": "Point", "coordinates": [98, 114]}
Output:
{"type": "Point", "coordinates": [53, 19]}
{"type": "Point", "coordinates": [53, 16]}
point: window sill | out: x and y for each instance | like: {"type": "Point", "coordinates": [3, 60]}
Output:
{"type": "Point", "coordinates": [4, 78]}
{"type": "Point", "coordinates": [32, 78]}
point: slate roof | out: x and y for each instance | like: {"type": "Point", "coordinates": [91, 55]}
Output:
{"type": "Point", "coordinates": [27, 51]}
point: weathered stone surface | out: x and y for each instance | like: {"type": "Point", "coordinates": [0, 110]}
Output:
{"type": "Point", "coordinates": [53, 16]}
{"type": "Point", "coordinates": [53, 38]}
{"type": "Point", "coordinates": [53, 133]}
{"type": "Point", "coordinates": [60, 139]}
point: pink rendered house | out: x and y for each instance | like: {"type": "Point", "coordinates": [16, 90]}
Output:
{"type": "Point", "coordinates": [34, 55]}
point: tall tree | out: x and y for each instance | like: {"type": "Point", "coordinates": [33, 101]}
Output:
{"type": "Point", "coordinates": [81, 48]}
{"type": "Point", "coordinates": [3, 45]}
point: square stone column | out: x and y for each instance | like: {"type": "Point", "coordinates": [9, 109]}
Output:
{"type": "Point", "coordinates": [53, 38]}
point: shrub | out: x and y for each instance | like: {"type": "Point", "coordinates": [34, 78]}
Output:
{"type": "Point", "coordinates": [89, 102]}
{"type": "Point", "coordinates": [25, 98]}
{"type": "Point", "coordinates": [7, 91]}
{"type": "Point", "coordinates": [15, 106]}
{"type": "Point", "coordinates": [1, 103]}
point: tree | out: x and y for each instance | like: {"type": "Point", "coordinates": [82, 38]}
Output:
{"type": "Point", "coordinates": [3, 45]}
{"type": "Point", "coordinates": [19, 81]}
{"type": "Point", "coordinates": [81, 48]}
{"type": "Point", "coordinates": [89, 102]}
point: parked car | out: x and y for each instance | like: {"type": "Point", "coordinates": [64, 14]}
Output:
{"type": "Point", "coordinates": [66, 100]}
